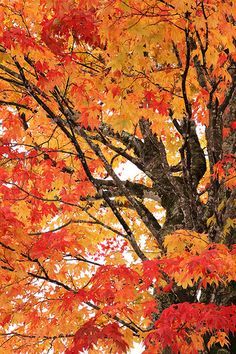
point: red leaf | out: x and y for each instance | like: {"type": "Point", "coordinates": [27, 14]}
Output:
{"type": "Point", "coordinates": [222, 58]}
{"type": "Point", "coordinates": [226, 132]}
{"type": "Point", "coordinates": [168, 287]}
{"type": "Point", "coordinates": [89, 334]}
{"type": "Point", "coordinates": [5, 320]}
{"type": "Point", "coordinates": [116, 90]}
{"type": "Point", "coordinates": [233, 125]}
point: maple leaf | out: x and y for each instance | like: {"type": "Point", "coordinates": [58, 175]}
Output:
{"type": "Point", "coordinates": [174, 322]}
{"type": "Point", "coordinates": [89, 334]}
{"type": "Point", "coordinates": [19, 36]}
{"type": "Point", "coordinates": [117, 176]}
{"type": "Point", "coordinates": [76, 22]}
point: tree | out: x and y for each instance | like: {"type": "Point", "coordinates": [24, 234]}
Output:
{"type": "Point", "coordinates": [93, 256]}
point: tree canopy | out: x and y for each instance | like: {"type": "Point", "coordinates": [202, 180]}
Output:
{"type": "Point", "coordinates": [117, 176]}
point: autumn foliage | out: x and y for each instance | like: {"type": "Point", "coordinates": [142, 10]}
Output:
{"type": "Point", "coordinates": [117, 176]}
